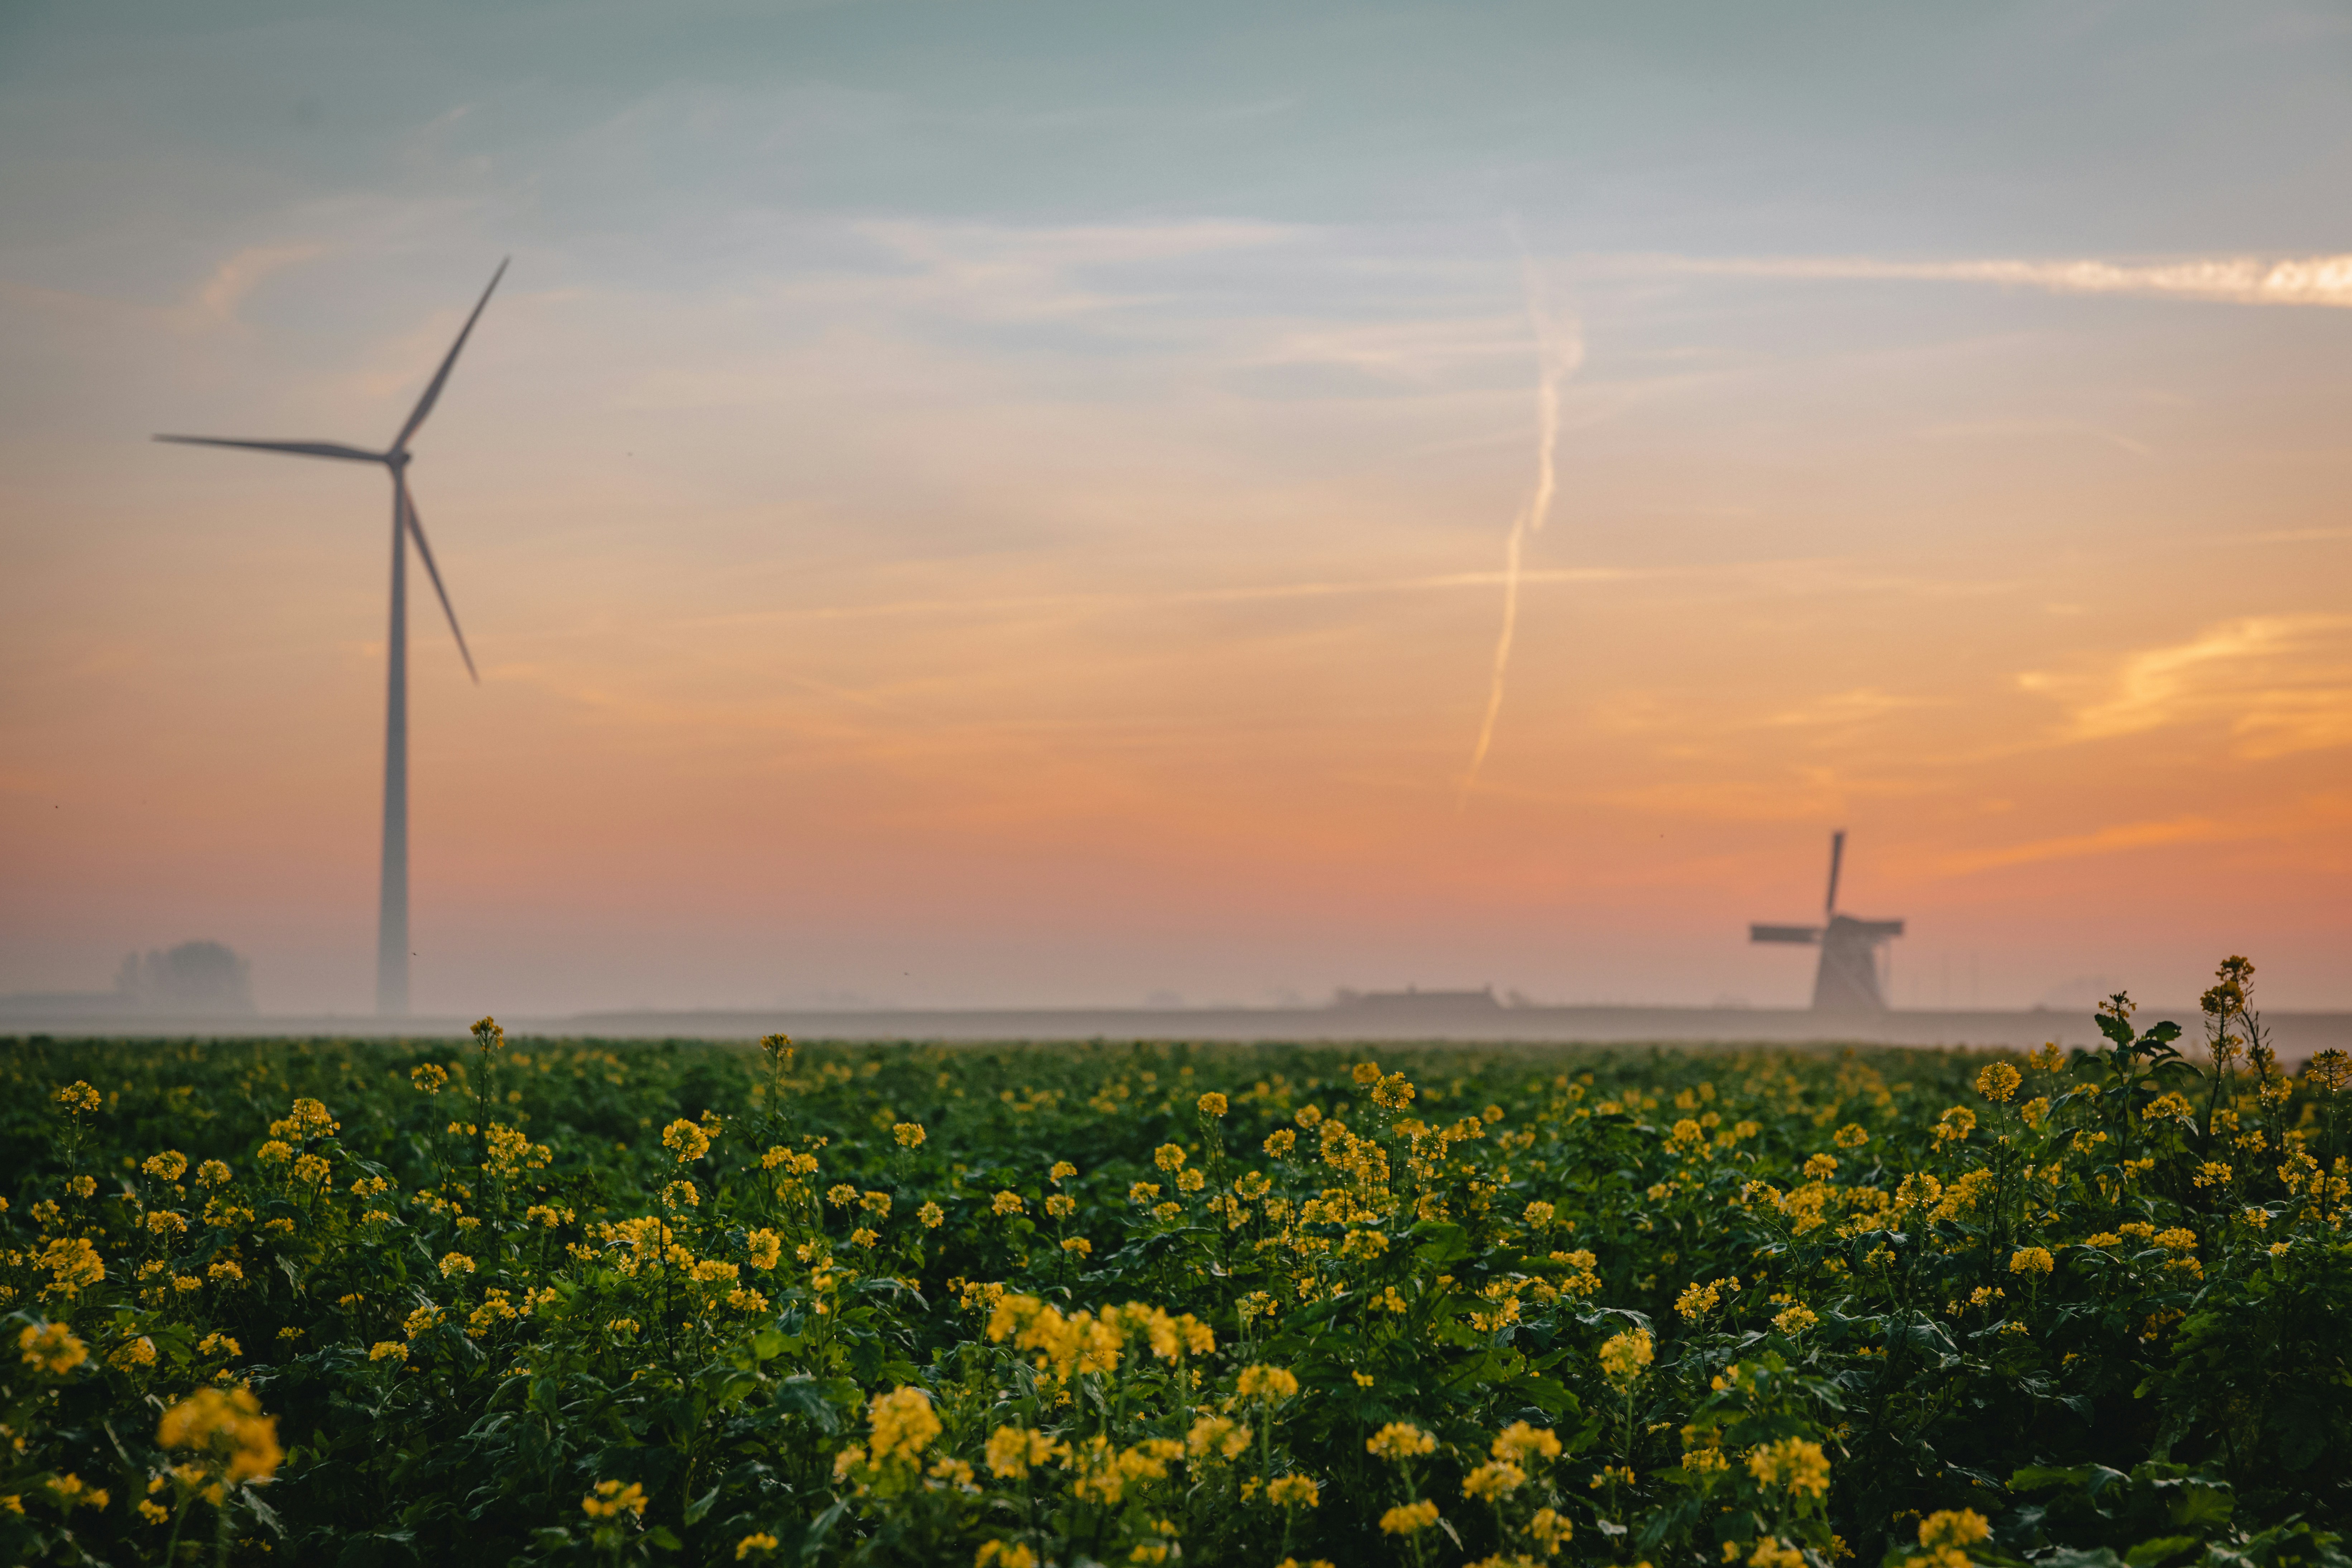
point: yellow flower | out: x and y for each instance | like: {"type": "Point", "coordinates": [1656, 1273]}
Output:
{"type": "Point", "coordinates": [1697, 1300]}
{"type": "Point", "coordinates": [1999, 1081]}
{"type": "Point", "coordinates": [1007, 1202]}
{"type": "Point", "coordinates": [1293, 1491]}
{"type": "Point", "coordinates": [904, 1422]}
{"type": "Point", "coordinates": [227, 1268]}
{"type": "Point", "coordinates": [1061, 1172]}
{"type": "Point", "coordinates": [765, 1248]}
{"type": "Point", "coordinates": [1212, 1104]}
{"type": "Point", "coordinates": [456, 1263]}
{"type": "Point", "coordinates": [1795, 1318]}
{"type": "Point", "coordinates": [221, 1342]}
{"type": "Point", "coordinates": [228, 1425]}
{"type": "Point", "coordinates": [1167, 1156]}
{"type": "Point", "coordinates": [139, 1351]}
{"type": "Point", "coordinates": [78, 1098]}
{"type": "Point", "coordinates": [1550, 1529]}
{"type": "Point", "coordinates": [1493, 1481]}
{"type": "Point", "coordinates": [168, 1166]}
{"type": "Point", "coordinates": [1004, 1554]}
{"type": "Point", "coordinates": [1407, 1519]}
{"type": "Point", "coordinates": [1400, 1440]}
{"type": "Point", "coordinates": [1958, 1528]}
{"type": "Point", "coordinates": [1214, 1438]}
{"type": "Point", "coordinates": [758, 1540]}
{"type": "Point", "coordinates": [611, 1499]}
{"type": "Point", "coordinates": [1625, 1357]}
{"type": "Point", "coordinates": [686, 1140]}
{"type": "Point", "coordinates": [74, 1264]}
{"type": "Point", "coordinates": [1793, 1463]}
{"type": "Point", "coordinates": [1820, 1167]}
{"type": "Point", "coordinates": [2031, 1260]}
{"type": "Point", "coordinates": [52, 1348]}
{"type": "Point", "coordinates": [213, 1174]}
{"type": "Point", "coordinates": [1280, 1142]}
{"type": "Point", "coordinates": [862, 1236]}
{"type": "Point", "coordinates": [909, 1134]}
{"type": "Point", "coordinates": [1538, 1213]}
{"type": "Point", "coordinates": [1853, 1135]}
{"type": "Point", "coordinates": [388, 1350]}
{"type": "Point", "coordinates": [1269, 1384]}
{"type": "Point", "coordinates": [1519, 1442]}
{"type": "Point", "coordinates": [932, 1215]}
{"type": "Point", "coordinates": [1011, 1452]}
{"type": "Point", "coordinates": [1078, 1247]}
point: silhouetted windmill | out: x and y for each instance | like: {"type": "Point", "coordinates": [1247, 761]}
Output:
{"type": "Point", "coordinates": [392, 911]}
{"type": "Point", "coordinates": [1847, 981]}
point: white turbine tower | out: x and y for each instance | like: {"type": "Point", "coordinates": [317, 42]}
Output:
{"type": "Point", "coordinates": [392, 911]}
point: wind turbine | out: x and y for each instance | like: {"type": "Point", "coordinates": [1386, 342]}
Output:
{"type": "Point", "coordinates": [391, 910]}
{"type": "Point", "coordinates": [1847, 981]}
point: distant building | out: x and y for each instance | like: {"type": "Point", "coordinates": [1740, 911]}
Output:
{"type": "Point", "coordinates": [198, 977]}
{"type": "Point", "coordinates": [1414, 1003]}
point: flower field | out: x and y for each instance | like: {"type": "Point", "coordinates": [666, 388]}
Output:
{"type": "Point", "coordinates": [353, 1303]}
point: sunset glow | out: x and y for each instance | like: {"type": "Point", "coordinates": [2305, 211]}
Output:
{"type": "Point", "coordinates": [917, 558]}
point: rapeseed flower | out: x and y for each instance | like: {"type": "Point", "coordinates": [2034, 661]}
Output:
{"type": "Point", "coordinates": [1999, 1081]}
{"type": "Point", "coordinates": [1400, 1440]}
{"type": "Point", "coordinates": [52, 1348]}
{"type": "Point", "coordinates": [611, 1499]}
{"type": "Point", "coordinates": [1409, 1518]}
{"type": "Point", "coordinates": [1294, 1492]}
{"type": "Point", "coordinates": [227, 1424]}
{"type": "Point", "coordinates": [1520, 1442]}
{"type": "Point", "coordinates": [1794, 1463]}
{"type": "Point", "coordinates": [1624, 1357]}
{"type": "Point", "coordinates": [903, 1422]}
{"type": "Point", "coordinates": [1268, 1385]}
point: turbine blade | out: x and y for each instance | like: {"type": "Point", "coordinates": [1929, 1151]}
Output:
{"type": "Point", "coordinates": [1837, 857]}
{"type": "Point", "coordinates": [299, 449]}
{"type": "Point", "coordinates": [433, 392]}
{"type": "Point", "coordinates": [416, 532]}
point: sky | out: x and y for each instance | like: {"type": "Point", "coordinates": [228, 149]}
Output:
{"type": "Point", "coordinates": [990, 503]}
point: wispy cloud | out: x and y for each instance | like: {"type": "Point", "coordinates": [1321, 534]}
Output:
{"type": "Point", "coordinates": [2242, 279]}
{"type": "Point", "coordinates": [2279, 685]}
{"type": "Point", "coordinates": [2072, 846]}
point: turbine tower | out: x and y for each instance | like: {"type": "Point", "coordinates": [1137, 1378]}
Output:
{"type": "Point", "coordinates": [1847, 981]}
{"type": "Point", "coordinates": [391, 908]}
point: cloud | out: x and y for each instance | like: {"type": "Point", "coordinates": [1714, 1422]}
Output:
{"type": "Point", "coordinates": [2279, 684]}
{"type": "Point", "coordinates": [2106, 841]}
{"type": "Point", "coordinates": [2245, 280]}
{"type": "Point", "coordinates": [217, 300]}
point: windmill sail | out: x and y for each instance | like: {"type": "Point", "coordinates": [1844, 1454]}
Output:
{"type": "Point", "coordinates": [1847, 979]}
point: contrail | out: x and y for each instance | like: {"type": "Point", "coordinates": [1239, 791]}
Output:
{"type": "Point", "coordinates": [1559, 350]}
{"type": "Point", "coordinates": [2323, 280]}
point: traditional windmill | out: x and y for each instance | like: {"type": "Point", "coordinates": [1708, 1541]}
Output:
{"type": "Point", "coordinates": [1848, 979]}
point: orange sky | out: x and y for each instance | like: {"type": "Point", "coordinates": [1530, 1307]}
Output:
{"type": "Point", "coordinates": [917, 605]}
